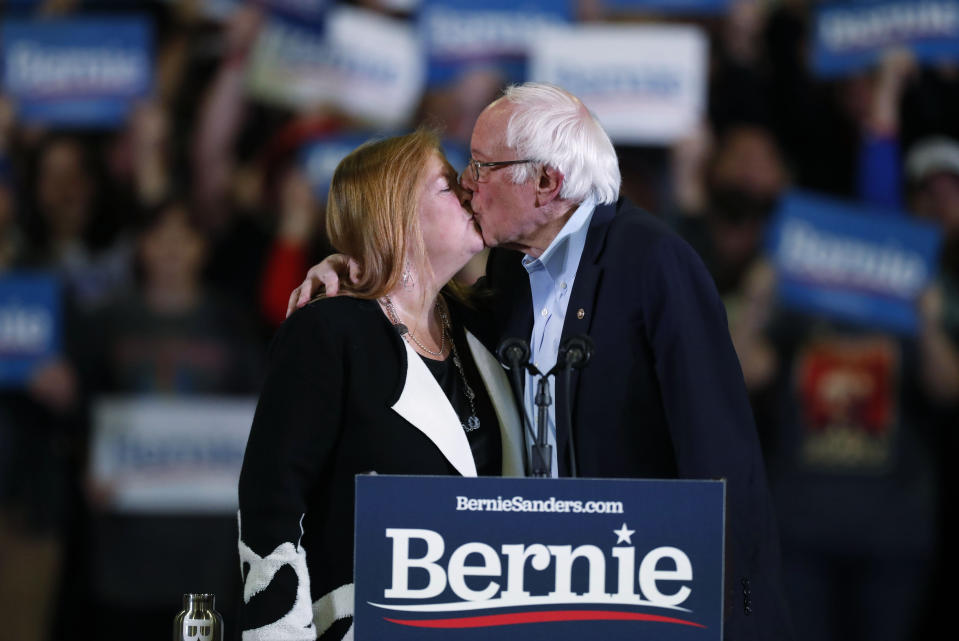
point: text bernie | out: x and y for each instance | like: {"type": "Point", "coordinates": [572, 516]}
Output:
{"type": "Point", "coordinates": [475, 559]}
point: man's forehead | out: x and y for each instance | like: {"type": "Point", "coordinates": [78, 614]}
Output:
{"type": "Point", "coordinates": [489, 132]}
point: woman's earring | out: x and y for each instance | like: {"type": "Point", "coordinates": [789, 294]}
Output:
{"type": "Point", "coordinates": [407, 276]}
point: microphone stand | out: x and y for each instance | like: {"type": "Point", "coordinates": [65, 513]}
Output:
{"type": "Point", "coordinates": [568, 406]}
{"type": "Point", "coordinates": [573, 353]}
{"type": "Point", "coordinates": [542, 450]}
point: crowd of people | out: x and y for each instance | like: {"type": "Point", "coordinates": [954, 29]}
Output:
{"type": "Point", "coordinates": [178, 237]}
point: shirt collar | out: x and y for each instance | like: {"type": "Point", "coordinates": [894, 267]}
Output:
{"type": "Point", "coordinates": [570, 238]}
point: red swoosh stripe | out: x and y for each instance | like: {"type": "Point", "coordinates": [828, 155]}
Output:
{"type": "Point", "coordinates": [540, 617]}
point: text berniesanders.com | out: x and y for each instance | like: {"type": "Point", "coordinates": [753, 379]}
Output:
{"type": "Point", "coordinates": [552, 504]}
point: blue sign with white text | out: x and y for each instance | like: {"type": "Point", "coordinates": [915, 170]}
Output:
{"type": "Point", "coordinates": [557, 559]}
{"type": "Point", "coordinates": [668, 6]}
{"type": "Point", "coordinates": [312, 11]}
{"type": "Point", "coordinates": [320, 158]}
{"type": "Point", "coordinates": [30, 324]}
{"type": "Point", "coordinates": [851, 262]}
{"type": "Point", "coordinates": [78, 72]}
{"type": "Point", "coordinates": [852, 36]}
{"type": "Point", "coordinates": [496, 34]}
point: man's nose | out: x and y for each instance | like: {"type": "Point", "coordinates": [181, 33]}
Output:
{"type": "Point", "coordinates": [465, 179]}
{"type": "Point", "coordinates": [464, 193]}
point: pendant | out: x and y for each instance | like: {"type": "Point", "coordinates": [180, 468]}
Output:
{"type": "Point", "coordinates": [472, 423]}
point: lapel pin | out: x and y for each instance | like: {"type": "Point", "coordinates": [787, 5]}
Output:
{"type": "Point", "coordinates": [581, 313]}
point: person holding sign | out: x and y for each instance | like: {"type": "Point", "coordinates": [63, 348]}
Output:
{"type": "Point", "coordinates": [663, 396]}
{"type": "Point", "coordinates": [384, 381]}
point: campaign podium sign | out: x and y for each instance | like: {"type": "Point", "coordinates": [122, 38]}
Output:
{"type": "Point", "coordinates": [557, 559]}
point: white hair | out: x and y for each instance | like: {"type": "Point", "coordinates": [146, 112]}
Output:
{"type": "Point", "coordinates": [552, 126]}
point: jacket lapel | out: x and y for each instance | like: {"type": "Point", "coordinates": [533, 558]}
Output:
{"type": "Point", "coordinates": [423, 403]}
{"type": "Point", "coordinates": [579, 317]}
{"type": "Point", "coordinates": [511, 430]}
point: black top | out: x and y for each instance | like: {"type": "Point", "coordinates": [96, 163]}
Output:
{"type": "Point", "coordinates": [485, 441]}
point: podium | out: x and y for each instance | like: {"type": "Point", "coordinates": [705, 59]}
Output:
{"type": "Point", "coordinates": [560, 559]}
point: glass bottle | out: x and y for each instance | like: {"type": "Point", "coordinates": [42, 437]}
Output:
{"type": "Point", "coordinates": [199, 620]}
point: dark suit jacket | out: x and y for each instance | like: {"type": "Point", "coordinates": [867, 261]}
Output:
{"type": "Point", "coordinates": [663, 395]}
{"type": "Point", "coordinates": [343, 395]}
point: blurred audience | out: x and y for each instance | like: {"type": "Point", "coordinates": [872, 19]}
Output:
{"type": "Point", "coordinates": [170, 336]}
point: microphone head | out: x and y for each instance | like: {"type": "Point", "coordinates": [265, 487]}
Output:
{"type": "Point", "coordinates": [576, 351]}
{"type": "Point", "coordinates": [513, 352]}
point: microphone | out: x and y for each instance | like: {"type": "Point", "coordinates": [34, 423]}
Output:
{"type": "Point", "coordinates": [513, 353]}
{"type": "Point", "coordinates": [575, 351]}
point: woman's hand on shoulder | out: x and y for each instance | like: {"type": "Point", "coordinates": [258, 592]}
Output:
{"type": "Point", "coordinates": [325, 275]}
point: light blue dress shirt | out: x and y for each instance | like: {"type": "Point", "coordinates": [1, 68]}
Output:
{"type": "Point", "coordinates": [551, 279]}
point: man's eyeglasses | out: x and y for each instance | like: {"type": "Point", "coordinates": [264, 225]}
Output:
{"type": "Point", "coordinates": [474, 167]}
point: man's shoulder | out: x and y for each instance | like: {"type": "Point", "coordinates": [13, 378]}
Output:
{"type": "Point", "coordinates": [635, 224]}
{"type": "Point", "coordinates": [635, 235]}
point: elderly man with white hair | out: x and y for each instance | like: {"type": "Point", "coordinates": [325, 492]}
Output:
{"type": "Point", "coordinates": [663, 395]}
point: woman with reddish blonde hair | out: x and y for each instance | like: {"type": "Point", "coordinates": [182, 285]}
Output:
{"type": "Point", "coordinates": [384, 380]}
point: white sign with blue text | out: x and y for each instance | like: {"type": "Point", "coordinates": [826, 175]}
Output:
{"type": "Point", "coordinates": [851, 262]}
{"type": "Point", "coordinates": [169, 454]}
{"type": "Point", "coordinates": [362, 63]}
{"type": "Point", "coordinates": [557, 559]}
{"type": "Point", "coordinates": [646, 84]}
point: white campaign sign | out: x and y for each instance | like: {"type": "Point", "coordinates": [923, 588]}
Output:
{"type": "Point", "coordinates": [364, 64]}
{"type": "Point", "coordinates": [170, 454]}
{"type": "Point", "coordinates": [646, 84]}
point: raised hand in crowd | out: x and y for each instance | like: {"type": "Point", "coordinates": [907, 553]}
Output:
{"type": "Point", "coordinates": [149, 142]}
{"type": "Point", "coordinates": [897, 68]}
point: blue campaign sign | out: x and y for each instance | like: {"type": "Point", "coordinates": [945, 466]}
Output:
{"type": "Point", "coordinates": [556, 559]}
{"type": "Point", "coordinates": [77, 72]}
{"type": "Point", "coordinates": [460, 34]}
{"type": "Point", "coordinates": [851, 262]}
{"type": "Point", "coordinates": [321, 156]}
{"type": "Point", "coordinates": [30, 324]}
{"type": "Point", "coordinates": [852, 36]}
{"type": "Point", "coordinates": [668, 6]}
{"type": "Point", "coordinates": [312, 11]}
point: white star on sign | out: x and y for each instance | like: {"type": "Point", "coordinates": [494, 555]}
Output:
{"type": "Point", "coordinates": [623, 535]}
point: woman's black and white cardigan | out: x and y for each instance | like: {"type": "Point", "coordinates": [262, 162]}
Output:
{"type": "Point", "coordinates": [343, 395]}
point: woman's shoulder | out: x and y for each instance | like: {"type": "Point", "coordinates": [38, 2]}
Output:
{"type": "Point", "coordinates": [337, 310]}
{"type": "Point", "coordinates": [332, 316]}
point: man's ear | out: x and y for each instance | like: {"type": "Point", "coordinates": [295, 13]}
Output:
{"type": "Point", "coordinates": [548, 185]}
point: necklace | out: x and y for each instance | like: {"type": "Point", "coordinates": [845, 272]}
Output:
{"type": "Point", "coordinates": [405, 331]}
{"type": "Point", "coordinates": [473, 422]}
